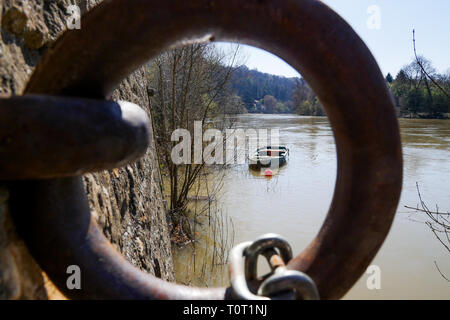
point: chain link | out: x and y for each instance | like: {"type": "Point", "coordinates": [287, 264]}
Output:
{"type": "Point", "coordinates": [280, 283]}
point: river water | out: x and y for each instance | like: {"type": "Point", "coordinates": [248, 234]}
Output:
{"type": "Point", "coordinates": [295, 201]}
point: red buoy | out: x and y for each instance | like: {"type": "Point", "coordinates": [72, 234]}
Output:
{"type": "Point", "coordinates": [268, 173]}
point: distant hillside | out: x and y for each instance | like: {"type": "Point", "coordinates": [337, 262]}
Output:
{"type": "Point", "coordinates": [252, 86]}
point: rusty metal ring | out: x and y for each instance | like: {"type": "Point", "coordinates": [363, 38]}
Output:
{"type": "Point", "coordinates": [117, 36]}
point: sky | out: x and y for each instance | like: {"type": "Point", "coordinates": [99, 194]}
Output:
{"type": "Point", "coordinates": [389, 37]}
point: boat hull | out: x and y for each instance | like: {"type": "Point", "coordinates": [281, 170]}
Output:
{"type": "Point", "coordinates": [267, 164]}
{"type": "Point", "coordinates": [270, 156]}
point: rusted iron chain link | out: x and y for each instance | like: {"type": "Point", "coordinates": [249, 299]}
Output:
{"type": "Point", "coordinates": [279, 283]}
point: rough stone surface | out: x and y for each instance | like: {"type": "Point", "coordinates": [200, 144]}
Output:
{"type": "Point", "coordinates": [126, 202]}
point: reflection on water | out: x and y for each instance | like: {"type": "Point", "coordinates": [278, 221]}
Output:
{"type": "Point", "coordinates": [295, 200]}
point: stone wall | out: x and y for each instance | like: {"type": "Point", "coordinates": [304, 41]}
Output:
{"type": "Point", "coordinates": [126, 202]}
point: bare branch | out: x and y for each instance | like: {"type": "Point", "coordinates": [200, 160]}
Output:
{"type": "Point", "coordinates": [423, 69]}
{"type": "Point", "coordinates": [437, 223]}
{"type": "Point", "coordinates": [439, 270]}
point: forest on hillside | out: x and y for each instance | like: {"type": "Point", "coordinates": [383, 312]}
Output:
{"type": "Point", "coordinates": [262, 92]}
{"type": "Point", "coordinates": [418, 91]}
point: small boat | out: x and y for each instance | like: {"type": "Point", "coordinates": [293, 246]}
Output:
{"type": "Point", "coordinates": [270, 156]}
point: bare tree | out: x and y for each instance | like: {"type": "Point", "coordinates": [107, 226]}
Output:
{"type": "Point", "coordinates": [190, 84]}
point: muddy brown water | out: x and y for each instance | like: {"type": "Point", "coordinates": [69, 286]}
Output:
{"type": "Point", "coordinates": [295, 201]}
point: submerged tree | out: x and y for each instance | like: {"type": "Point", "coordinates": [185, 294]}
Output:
{"type": "Point", "coordinates": [190, 84]}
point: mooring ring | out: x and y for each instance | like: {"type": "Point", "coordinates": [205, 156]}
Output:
{"type": "Point", "coordinates": [117, 36]}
